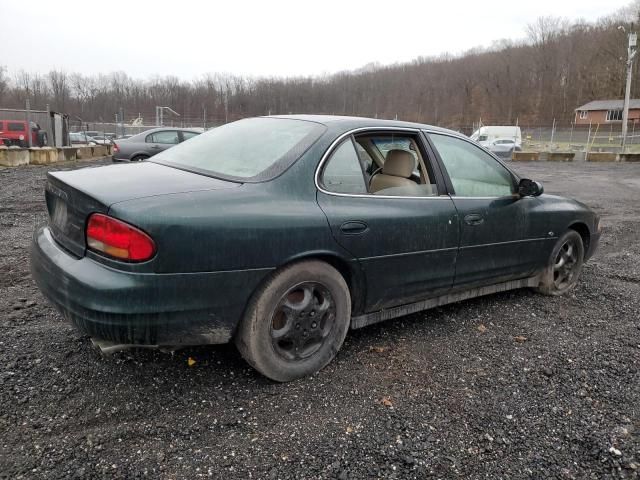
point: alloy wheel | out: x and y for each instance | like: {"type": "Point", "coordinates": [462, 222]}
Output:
{"type": "Point", "coordinates": [302, 320]}
{"type": "Point", "coordinates": [564, 267]}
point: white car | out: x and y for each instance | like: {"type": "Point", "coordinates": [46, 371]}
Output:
{"type": "Point", "coordinates": [102, 140]}
{"type": "Point", "coordinates": [503, 147]}
{"type": "Point", "coordinates": [487, 134]}
{"type": "Point", "coordinates": [80, 138]}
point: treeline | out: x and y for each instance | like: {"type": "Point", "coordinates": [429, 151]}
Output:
{"type": "Point", "coordinates": [559, 66]}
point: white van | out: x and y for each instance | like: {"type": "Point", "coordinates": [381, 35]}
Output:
{"type": "Point", "coordinates": [486, 135]}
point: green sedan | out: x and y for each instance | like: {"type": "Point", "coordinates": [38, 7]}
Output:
{"type": "Point", "coordinates": [281, 233]}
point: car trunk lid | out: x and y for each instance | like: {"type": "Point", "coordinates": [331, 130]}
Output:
{"type": "Point", "coordinates": [72, 196]}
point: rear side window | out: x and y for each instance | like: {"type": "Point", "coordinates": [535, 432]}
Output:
{"type": "Point", "coordinates": [250, 150]}
{"type": "Point", "coordinates": [188, 135]}
{"type": "Point", "coordinates": [473, 172]}
{"type": "Point", "coordinates": [343, 173]}
{"type": "Point", "coordinates": [16, 127]}
{"type": "Point", "coordinates": [167, 137]}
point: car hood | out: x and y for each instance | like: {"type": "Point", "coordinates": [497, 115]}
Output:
{"type": "Point", "coordinates": [117, 183]}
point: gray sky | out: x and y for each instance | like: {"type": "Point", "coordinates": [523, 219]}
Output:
{"type": "Point", "coordinates": [261, 38]}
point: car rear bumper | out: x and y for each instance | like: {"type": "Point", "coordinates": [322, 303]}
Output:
{"type": "Point", "coordinates": [141, 308]}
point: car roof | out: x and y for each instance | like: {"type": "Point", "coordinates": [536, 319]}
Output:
{"type": "Point", "coordinates": [164, 129]}
{"type": "Point", "coordinates": [357, 122]}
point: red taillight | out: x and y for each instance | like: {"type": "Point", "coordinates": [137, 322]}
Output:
{"type": "Point", "coordinates": [115, 148]}
{"type": "Point", "coordinates": [118, 239]}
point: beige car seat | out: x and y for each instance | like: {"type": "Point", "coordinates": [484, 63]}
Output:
{"type": "Point", "coordinates": [397, 168]}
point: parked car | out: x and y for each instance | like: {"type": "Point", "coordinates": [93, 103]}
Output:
{"type": "Point", "coordinates": [4, 141]}
{"type": "Point", "coordinates": [103, 140]}
{"type": "Point", "coordinates": [15, 131]}
{"type": "Point", "coordinates": [281, 233]}
{"type": "Point", "coordinates": [147, 144]}
{"type": "Point", "coordinates": [81, 138]}
{"type": "Point", "coordinates": [503, 147]}
{"type": "Point", "coordinates": [487, 134]}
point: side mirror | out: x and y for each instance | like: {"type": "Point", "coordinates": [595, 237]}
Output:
{"type": "Point", "coordinates": [529, 188]}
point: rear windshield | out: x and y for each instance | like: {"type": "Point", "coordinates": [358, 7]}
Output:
{"type": "Point", "coordinates": [250, 150]}
{"type": "Point", "coordinates": [16, 127]}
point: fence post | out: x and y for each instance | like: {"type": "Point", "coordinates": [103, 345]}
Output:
{"type": "Point", "coordinates": [571, 134]}
{"type": "Point", "coordinates": [28, 108]}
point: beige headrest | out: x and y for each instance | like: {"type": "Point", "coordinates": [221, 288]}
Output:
{"type": "Point", "coordinates": [399, 163]}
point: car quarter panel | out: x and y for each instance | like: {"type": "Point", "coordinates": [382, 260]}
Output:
{"type": "Point", "coordinates": [261, 225]}
{"type": "Point", "coordinates": [559, 214]}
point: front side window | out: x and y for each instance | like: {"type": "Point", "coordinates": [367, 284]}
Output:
{"type": "Point", "coordinates": [254, 149]}
{"type": "Point", "coordinates": [343, 173]}
{"type": "Point", "coordinates": [167, 137]}
{"type": "Point", "coordinates": [473, 172]}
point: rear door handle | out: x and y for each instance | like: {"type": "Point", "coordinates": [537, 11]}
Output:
{"type": "Point", "coordinates": [473, 219]}
{"type": "Point", "coordinates": [353, 227]}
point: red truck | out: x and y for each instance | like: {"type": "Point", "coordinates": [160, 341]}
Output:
{"type": "Point", "coordinates": [14, 132]}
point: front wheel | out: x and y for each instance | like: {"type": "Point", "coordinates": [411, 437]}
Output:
{"type": "Point", "coordinates": [296, 322]}
{"type": "Point", "coordinates": [564, 266]}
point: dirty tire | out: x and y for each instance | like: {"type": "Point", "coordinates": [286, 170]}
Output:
{"type": "Point", "coordinates": [296, 321]}
{"type": "Point", "coordinates": [564, 265]}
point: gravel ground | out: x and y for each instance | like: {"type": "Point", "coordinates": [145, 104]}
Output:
{"type": "Point", "coordinates": [515, 385]}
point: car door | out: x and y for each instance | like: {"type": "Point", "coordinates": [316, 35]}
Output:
{"type": "Point", "coordinates": [162, 140]}
{"type": "Point", "coordinates": [406, 244]}
{"type": "Point", "coordinates": [494, 221]}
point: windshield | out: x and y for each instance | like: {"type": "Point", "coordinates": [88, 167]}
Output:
{"type": "Point", "coordinates": [251, 150]}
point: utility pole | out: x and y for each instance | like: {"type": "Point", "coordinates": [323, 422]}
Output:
{"type": "Point", "coordinates": [631, 53]}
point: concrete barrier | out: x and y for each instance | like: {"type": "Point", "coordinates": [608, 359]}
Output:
{"type": "Point", "coordinates": [13, 156]}
{"type": "Point", "coordinates": [16, 156]}
{"type": "Point", "coordinates": [525, 156]}
{"type": "Point", "coordinates": [43, 156]}
{"type": "Point", "coordinates": [629, 157]}
{"type": "Point", "coordinates": [100, 151]}
{"type": "Point", "coordinates": [560, 156]}
{"type": "Point", "coordinates": [602, 157]}
{"type": "Point", "coordinates": [84, 152]}
{"type": "Point", "coordinates": [67, 154]}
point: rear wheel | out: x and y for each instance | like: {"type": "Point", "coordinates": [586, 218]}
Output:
{"type": "Point", "coordinates": [296, 322]}
{"type": "Point", "coordinates": [565, 265]}
{"type": "Point", "coordinates": [139, 158]}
